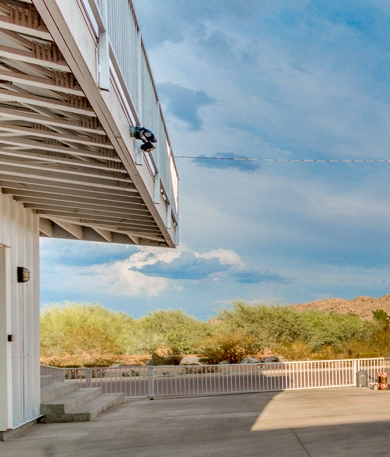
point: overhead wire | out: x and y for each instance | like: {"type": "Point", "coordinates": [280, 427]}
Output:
{"type": "Point", "coordinates": [256, 159]}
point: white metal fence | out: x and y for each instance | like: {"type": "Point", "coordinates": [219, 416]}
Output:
{"type": "Point", "coordinates": [170, 381]}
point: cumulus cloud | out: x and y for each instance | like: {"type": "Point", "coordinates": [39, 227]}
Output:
{"type": "Point", "coordinates": [184, 103]}
{"type": "Point", "coordinates": [186, 267]}
{"type": "Point", "coordinates": [225, 256]}
{"type": "Point", "coordinates": [215, 264]}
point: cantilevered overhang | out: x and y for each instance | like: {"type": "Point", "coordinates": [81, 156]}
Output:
{"type": "Point", "coordinates": [65, 148]}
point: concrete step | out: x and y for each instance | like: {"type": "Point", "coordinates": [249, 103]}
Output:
{"type": "Point", "coordinates": [89, 411]}
{"type": "Point", "coordinates": [46, 380]}
{"type": "Point", "coordinates": [73, 400]}
{"type": "Point", "coordinates": [57, 390]}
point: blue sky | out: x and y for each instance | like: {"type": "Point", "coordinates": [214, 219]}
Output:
{"type": "Point", "coordinates": [279, 79]}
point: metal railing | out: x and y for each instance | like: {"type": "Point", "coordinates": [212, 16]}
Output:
{"type": "Point", "coordinates": [127, 50]}
{"type": "Point", "coordinates": [202, 380]}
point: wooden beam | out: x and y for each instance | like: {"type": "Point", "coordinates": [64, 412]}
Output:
{"type": "Point", "coordinates": [134, 239]}
{"type": "Point", "coordinates": [59, 160]}
{"type": "Point", "coordinates": [74, 229]}
{"type": "Point", "coordinates": [8, 96]}
{"type": "Point", "coordinates": [36, 195]}
{"type": "Point", "coordinates": [77, 214]}
{"type": "Point", "coordinates": [56, 171]}
{"type": "Point", "coordinates": [54, 136]}
{"type": "Point", "coordinates": [46, 227]}
{"type": "Point", "coordinates": [111, 156]}
{"type": "Point", "coordinates": [107, 235]}
{"type": "Point", "coordinates": [102, 222]}
{"type": "Point", "coordinates": [69, 178]}
{"type": "Point", "coordinates": [70, 194]}
{"type": "Point", "coordinates": [21, 115]}
{"type": "Point", "coordinates": [15, 37]}
{"type": "Point", "coordinates": [28, 57]}
{"type": "Point", "coordinates": [58, 205]}
{"type": "Point", "coordinates": [36, 81]}
{"type": "Point", "coordinates": [82, 188]}
{"type": "Point", "coordinates": [149, 237]}
{"type": "Point", "coordinates": [43, 33]}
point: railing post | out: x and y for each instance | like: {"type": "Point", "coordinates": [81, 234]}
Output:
{"type": "Point", "coordinates": [355, 370]}
{"type": "Point", "coordinates": [151, 382]}
{"type": "Point", "coordinates": [139, 156]}
{"type": "Point", "coordinates": [88, 377]}
{"type": "Point", "coordinates": [157, 188]}
{"type": "Point", "coordinates": [104, 55]}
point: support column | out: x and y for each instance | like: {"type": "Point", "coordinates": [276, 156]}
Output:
{"type": "Point", "coordinates": [6, 418]}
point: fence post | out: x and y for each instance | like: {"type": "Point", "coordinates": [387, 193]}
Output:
{"type": "Point", "coordinates": [355, 370]}
{"type": "Point", "coordinates": [151, 382]}
{"type": "Point", "coordinates": [88, 377]}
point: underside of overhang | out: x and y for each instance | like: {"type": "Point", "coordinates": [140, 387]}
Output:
{"type": "Point", "coordinates": [55, 157]}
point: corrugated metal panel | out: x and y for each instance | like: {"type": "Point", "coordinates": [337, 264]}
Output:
{"type": "Point", "coordinates": [19, 231]}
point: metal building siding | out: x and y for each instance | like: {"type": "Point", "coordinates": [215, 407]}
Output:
{"type": "Point", "coordinates": [19, 231]}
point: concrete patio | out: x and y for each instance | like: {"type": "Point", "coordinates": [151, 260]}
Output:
{"type": "Point", "coordinates": [318, 423]}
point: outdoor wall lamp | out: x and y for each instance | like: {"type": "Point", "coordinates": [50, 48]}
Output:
{"type": "Point", "coordinates": [23, 274]}
{"type": "Point", "coordinates": [146, 136]}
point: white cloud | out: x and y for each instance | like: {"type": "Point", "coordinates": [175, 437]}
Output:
{"type": "Point", "coordinates": [225, 256]}
{"type": "Point", "coordinates": [119, 279]}
{"type": "Point", "coordinates": [150, 256]}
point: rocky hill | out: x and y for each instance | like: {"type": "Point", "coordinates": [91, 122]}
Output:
{"type": "Point", "coordinates": [362, 306]}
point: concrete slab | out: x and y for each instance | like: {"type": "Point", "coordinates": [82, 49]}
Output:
{"type": "Point", "coordinates": [346, 422]}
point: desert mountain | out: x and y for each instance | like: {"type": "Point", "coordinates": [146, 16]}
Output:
{"type": "Point", "coordinates": [362, 306]}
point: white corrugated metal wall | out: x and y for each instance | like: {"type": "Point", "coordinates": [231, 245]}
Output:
{"type": "Point", "coordinates": [19, 237]}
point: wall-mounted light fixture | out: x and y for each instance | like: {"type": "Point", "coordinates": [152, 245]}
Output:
{"type": "Point", "coordinates": [23, 274]}
{"type": "Point", "coordinates": [146, 136]}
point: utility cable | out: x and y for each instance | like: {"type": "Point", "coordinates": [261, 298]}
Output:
{"type": "Point", "coordinates": [253, 159]}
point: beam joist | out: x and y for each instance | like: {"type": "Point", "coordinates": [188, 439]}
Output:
{"type": "Point", "coordinates": [37, 82]}
{"type": "Point", "coordinates": [45, 102]}
{"type": "Point", "coordinates": [58, 160]}
{"type": "Point", "coordinates": [118, 192]}
{"type": "Point", "coordinates": [74, 229]}
{"type": "Point", "coordinates": [41, 33]}
{"type": "Point", "coordinates": [71, 180]}
{"type": "Point", "coordinates": [28, 57]}
{"type": "Point", "coordinates": [93, 215]}
{"type": "Point", "coordinates": [29, 144]}
{"type": "Point", "coordinates": [55, 171]}
{"type": "Point", "coordinates": [41, 190]}
{"type": "Point", "coordinates": [100, 222]}
{"type": "Point", "coordinates": [47, 204]}
{"type": "Point", "coordinates": [20, 115]}
{"type": "Point", "coordinates": [66, 138]}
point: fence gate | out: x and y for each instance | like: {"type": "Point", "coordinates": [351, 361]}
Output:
{"type": "Point", "coordinates": [174, 381]}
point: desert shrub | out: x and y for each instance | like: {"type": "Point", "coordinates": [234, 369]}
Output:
{"type": "Point", "coordinates": [170, 359]}
{"type": "Point", "coordinates": [232, 347]}
{"type": "Point", "coordinates": [320, 330]}
{"type": "Point", "coordinates": [281, 326]}
{"type": "Point", "coordinates": [173, 329]}
{"type": "Point", "coordinates": [267, 324]}
{"type": "Point", "coordinates": [379, 315]}
{"type": "Point", "coordinates": [85, 331]}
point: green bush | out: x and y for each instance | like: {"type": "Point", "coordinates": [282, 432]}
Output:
{"type": "Point", "coordinates": [232, 347]}
{"type": "Point", "coordinates": [85, 334]}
